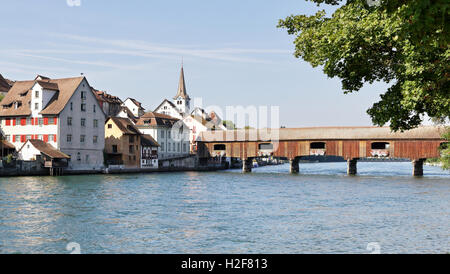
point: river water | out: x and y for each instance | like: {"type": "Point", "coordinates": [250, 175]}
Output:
{"type": "Point", "coordinates": [321, 210]}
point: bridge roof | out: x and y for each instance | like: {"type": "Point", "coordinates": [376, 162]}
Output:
{"type": "Point", "coordinates": [321, 133]}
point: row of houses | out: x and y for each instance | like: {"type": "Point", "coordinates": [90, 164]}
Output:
{"type": "Point", "coordinates": [66, 123]}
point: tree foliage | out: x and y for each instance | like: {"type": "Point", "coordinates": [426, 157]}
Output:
{"type": "Point", "coordinates": [401, 42]}
{"type": "Point", "coordinates": [1, 97]}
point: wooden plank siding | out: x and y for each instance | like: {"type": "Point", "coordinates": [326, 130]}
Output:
{"type": "Point", "coordinates": [349, 149]}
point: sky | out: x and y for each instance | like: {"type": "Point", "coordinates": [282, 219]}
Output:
{"type": "Point", "coordinates": [233, 54]}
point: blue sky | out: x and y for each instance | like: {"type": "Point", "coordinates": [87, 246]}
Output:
{"type": "Point", "coordinates": [233, 54]}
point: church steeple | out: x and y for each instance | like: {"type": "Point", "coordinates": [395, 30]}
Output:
{"type": "Point", "coordinates": [181, 86]}
{"type": "Point", "coordinates": [182, 100]}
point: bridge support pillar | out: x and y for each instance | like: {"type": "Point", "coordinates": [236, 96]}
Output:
{"type": "Point", "coordinates": [247, 165]}
{"type": "Point", "coordinates": [418, 167]}
{"type": "Point", "coordinates": [352, 166]}
{"type": "Point", "coordinates": [295, 167]}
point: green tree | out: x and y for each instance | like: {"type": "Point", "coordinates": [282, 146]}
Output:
{"type": "Point", "coordinates": [229, 124]}
{"type": "Point", "coordinates": [402, 42]}
{"type": "Point", "coordinates": [1, 97]}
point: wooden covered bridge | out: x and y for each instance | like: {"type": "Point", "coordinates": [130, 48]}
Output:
{"type": "Point", "coordinates": [351, 143]}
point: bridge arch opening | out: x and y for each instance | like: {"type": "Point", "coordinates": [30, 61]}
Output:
{"type": "Point", "coordinates": [318, 145]}
{"type": "Point", "coordinates": [265, 146]}
{"type": "Point", "coordinates": [380, 145]}
{"type": "Point", "coordinates": [220, 147]}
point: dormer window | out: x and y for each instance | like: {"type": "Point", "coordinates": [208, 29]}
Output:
{"type": "Point", "coordinates": [83, 95]}
{"type": "Point", "coordinates": [36, 94]}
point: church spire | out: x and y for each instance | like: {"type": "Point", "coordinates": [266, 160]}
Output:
{"type": "Point", "coordinates": [182, 86]}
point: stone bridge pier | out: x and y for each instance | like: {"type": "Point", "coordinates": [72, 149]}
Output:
{"type": "Point", "coordinates": [295, 166]}
{"type": "Point", "coordinates": [418, 167]}
{"type": "Point", "coordinates": [352, 168]}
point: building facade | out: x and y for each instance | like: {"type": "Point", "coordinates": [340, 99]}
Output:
{"type": "Point", "coordinates": [122, 143]}
{"type": "Point", "coordinates": [134, 106]}
{"type": "Point", "coordinates": [169, 132]}
{"type": "Point", "coordinates": [61, 112]}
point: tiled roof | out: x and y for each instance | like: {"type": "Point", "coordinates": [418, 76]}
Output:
{"type": "Point", "coordinates": [20, 93]}
{"type": "Point", "coordinates": [6, 145]}
{"type": "Point", "coordinates": [147, 140]}
{"type": "Point", "coordinates": [156, 119]}
{"type": "Point", "coordinates": [136, 102]}
{"type": "Point", "coordinates": [47, 149]}
{"type": "Point", "coordinates": [103, 96]}
{"type": "Point", "coordinates": [126, 125]}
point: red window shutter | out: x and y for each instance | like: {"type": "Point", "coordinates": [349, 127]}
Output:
{"type": "Point", "coordinates": [23, 138]}
{"type": "Point", "coordinates": [14, 138]}
{"type": "Point", "coordinates": [35, 137]}
{"type": "Point", "coordinates": [46, 138]}
{"type": "Point", "coordinates": [8, 121]}
{"type": "Point", "coordinates": [45, 121]}
{"type": "Point", "coordinates": [23, 121]}
{"type": "Point", "coordinates": [55, 120]}
{"type": "Point", "coordinates": [36, 121]}
{"type": "Point", "coordinates": [54, 138]}
{"type": "Point", "coordinates": [32, 121]}
{"type": "Point", "coordinates": [14, 122]}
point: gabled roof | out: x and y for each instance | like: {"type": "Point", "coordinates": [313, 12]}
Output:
{"type": "Point", "coordinates": [136, 102]}
{"type": "Point", "coordinates": [105, 97]}
{"type": "Point", "coordinates": [6, 145]}
{"type": "Point", "coordinates": [129, 113]}
{"type": "Point", "coordinates": [20, 93]}
{"type": "Point", "coordinates": [156, 119]}
{"type": "Point", "coordinates": [147, 140]}
{"type": "Point", "coordinates": [125, 125]}
{"type": "Point", "coordinates": [170, 103]}
{"type": "Point", "coordinates": [181, 87]}
{"type": "Point", "coordinates": [47, 149]}
{"type": "Point", "coordinates": [41, 77]}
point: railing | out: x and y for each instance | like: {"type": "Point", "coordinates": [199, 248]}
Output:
{"type": "Point", "coordinates": [379, 153]}
{"type": "Point", "coordinates": [317, 152]}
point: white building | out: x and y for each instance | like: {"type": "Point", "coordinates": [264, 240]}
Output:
{"type": "Point", "coordinates": [170, 133]}
{"type": "Point", "coordinates": [181, 103]}
{"type": "Point", "coordinates": [134, 106]}
{"type": "Point", "coordinates": [61, 112]}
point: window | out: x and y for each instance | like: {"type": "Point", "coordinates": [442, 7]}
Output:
{"type": "Point", "coordinates": [220, 147]}
{"type": "Point", "coordinates": [266, 146]}
{"type": "Point", "coordinates": [95, 139]}
{"type": "Point", "coordinates": [51, 121]}
{"type": "Point", "coordinates": [83, 107]}
{"type": "Point", "coordinates": [83, 95]}
{"type": "Point", "coordinates": [109, 126]}
{"type": "Point", "coordinates": [87, 158]}
{"type": "Point", "coordinates": [28, 137]}
{"type": "Point", "coordinates": [162, 146]}
{"type": "Point", "coordinates": [28, 121]}
{"type": "Point", "coordinates": [162, 133]}
{"type": "Point", "coordinates": [95, 123]}
{"type": "Point", "coordinates": [131, 139]}
{"type": "Point", "coordinates": [69, 138]}
{"type": "Point", "coordinates": [36, 106]}
{"type": "Point", "coordinates": [71, 106]}
{"type": "Point", "coordinates": [318, 145]}
{"type": "Point", "coordinates": [69, 121]}
{"type": "Point", "coordinates": [95, 108]}
{"type": "Point", "coordinates": [36, 94]}
{"type": "Point", "coordinates": [184, 147]}
{"type": "Point", "coordinates": [83, 122]}
{"type": "Point", "coordinates": [41, 137]}
{"type": "Point", "coordinates": [51, 137]}
{"type": "Point", "coordinates": [380, 145]}
{"type": "Point", "coordinates": [131, 149]}
{"type": "Point", "coordinates": [114, 148]}
{"type": "Point", "coordinates": [41, 121]}
{"type": "Point", "coordinates": [8, 138]}
{"type": "Point", "coordinates": [178, 147]}
{"type": "Point", "coordinates": [78, 157]}
{"type": "Point", "coordinates": [17, 121]}
{"type": "Point", "coordinates": [82, 137]}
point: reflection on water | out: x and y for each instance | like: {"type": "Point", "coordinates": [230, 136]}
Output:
{"type": "Point", "coordinates": [321, 210]}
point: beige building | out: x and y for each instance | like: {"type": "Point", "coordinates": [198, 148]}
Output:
{"type": "Point", "coordinates": [122, 143]}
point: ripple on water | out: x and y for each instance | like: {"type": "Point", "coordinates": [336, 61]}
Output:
{"type": "Point", "coordinates": [320, 210]}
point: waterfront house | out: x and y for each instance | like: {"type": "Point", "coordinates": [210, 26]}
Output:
{"type": "Point", "coordinates": [111, 105]}
{"type": "Point", "coordinates": [149, 152]}
{"type": "Point", "coordinates": [122, 143]}
{"type": "Point", "coordinates": [169, 132]}
{"type": "Point", "coordinates": [179, 107]}
{"type": "Point", "coordinates": [134, 106]}
{"type": "Point", "coordinates": [62, 112]}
